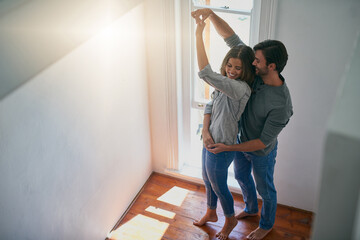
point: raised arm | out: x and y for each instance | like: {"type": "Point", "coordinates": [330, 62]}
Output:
{"type": "Point", "coordinates": [200, 47]}
{"type": "Point", "coordinates": [222, 28]}
{"type": "Point", "coordinates": [203, 62]}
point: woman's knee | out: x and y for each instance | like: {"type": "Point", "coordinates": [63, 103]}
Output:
{"type": "Point", "coordinates": [219, 183]}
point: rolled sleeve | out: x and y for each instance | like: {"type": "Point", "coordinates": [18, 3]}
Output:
{"type": "Point", "coordinates": [208, 107]}
{"type": "Point", "coordinates": [233, 41]}
{"type": "Point", "coordinates": [205, 71]}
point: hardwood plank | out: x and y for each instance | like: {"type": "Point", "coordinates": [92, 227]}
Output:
{"type": "Point", "coordinates": [172, 222]}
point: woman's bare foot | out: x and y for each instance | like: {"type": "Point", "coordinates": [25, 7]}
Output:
{"type": "Point", "coordinates": [210, 216]}
{"type": "Point", "coordinates": [230, 223]}
{"type": "Point", "coordinates": [244, 214]}
{"type": "Point", "coordinates": [258, 234]}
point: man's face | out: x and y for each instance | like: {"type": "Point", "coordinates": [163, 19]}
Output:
{"type": "Point", "coordinates": [260, 64]}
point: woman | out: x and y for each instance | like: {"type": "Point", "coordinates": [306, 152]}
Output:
{"type": "Point", "coordinates": [229, 101]}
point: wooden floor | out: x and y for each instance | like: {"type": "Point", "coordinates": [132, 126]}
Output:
{"type": "Point", "coordinates": [167, 206]}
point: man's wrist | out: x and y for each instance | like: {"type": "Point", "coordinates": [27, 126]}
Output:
{"type": "Point", "coordinates": [211, 14]}
{"type": "Point", "coordinates": [228, 148]}
{"type": "Point", "coordinates": [232, 147]}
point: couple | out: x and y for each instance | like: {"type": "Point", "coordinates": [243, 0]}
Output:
{"type": "Point", "coordinates": [250, 89]}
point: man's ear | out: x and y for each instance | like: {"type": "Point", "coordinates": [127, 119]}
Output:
{"type": "Point", "coordinates": [272, 66]}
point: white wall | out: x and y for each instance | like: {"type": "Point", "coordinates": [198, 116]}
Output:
{"type": "Point", "coordinates": [341, 165]}
{"type": "Point", "coordinates": [75, 139]}
{"type": "Point", "coordinates": [156, 73]}
{"type": "Point", "coordinates": [319, 36]}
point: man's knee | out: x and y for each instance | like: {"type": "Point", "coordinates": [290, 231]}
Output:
{"type": "Point", "coordinates": [266, 191]}
{"type": "Point", "coordinates": [239, 177]}
{"type": "Point", "coordinates": [242, 175]}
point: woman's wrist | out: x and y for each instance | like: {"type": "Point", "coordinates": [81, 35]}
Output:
{"type": "Point", "coordinates": [205, 132]}
{"type": "Point", "coordinates": [199, 35]}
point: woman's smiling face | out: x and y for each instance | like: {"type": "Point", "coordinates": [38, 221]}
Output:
{"type": "Point", "coordinates": [233, 68]}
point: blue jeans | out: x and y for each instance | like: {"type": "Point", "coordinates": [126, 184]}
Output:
{"type": "Point", "coordinates": [215, 173]}
{"type": "Point", "coordinates": [263, 171]}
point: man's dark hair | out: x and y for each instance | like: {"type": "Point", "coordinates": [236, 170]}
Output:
{"type": "Point", "coordinates": [274, 51]}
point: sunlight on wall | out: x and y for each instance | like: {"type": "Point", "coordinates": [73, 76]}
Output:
{"type": "Point", "coordinates": [36, 34]}
{"type": "Point", "coordinates": [141, 228]}
{"type": "Point", "coordinates": [161, 212]}
{"type": "Point", "coordinates": [175, 196]}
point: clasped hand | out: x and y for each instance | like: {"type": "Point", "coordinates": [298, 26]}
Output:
{"type": "Point", "coordinates": [210, 145]}
{"type": "Point", "coordinates": [217, 148]}
{"type": "Point", "coordinates": [200, 16]}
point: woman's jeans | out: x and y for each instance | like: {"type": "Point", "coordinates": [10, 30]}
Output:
{"type": "Point", "coordinates": [215, 173]}
{"type": "Point", "coordinates": [263, 171]}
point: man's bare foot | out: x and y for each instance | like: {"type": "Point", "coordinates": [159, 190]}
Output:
{"type": "Point", "coordinates": [258, 234]}
{"type": "Point", "coordinates": [210, 216]}
{"type": "Point", "coordinates": [230, 223]}
{"type": "Point", "coordinates": [244, 214]}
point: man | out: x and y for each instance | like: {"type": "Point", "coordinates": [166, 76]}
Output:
{"type": "Point", "coordinates": [267, 113]}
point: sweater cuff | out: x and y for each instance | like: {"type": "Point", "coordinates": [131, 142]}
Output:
{"type": "Point", "coordinates": [233, 41]}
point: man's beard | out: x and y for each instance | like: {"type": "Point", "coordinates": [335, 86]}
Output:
{"type": "Point", "coordinates": [261, 72]}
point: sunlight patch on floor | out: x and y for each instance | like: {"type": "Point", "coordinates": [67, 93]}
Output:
{"type": "Point", "coordinates": [175, 196]}
{"type": "Point", "coordinates": [141, 228]}
{"type": "Point", "coordinates": [161, 212]}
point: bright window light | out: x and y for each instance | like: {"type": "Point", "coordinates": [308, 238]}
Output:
{"type": "Point", "coordinates": [174, 196]}
{"type": "Point", "coordinates": [161, 212]}
{"type": "Point", "coordinates": [140, 227]}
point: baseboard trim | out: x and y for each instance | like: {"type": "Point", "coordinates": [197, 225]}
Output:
{"type": "Point", "coordinates": [130, 205]}
{"type": "Point", "coordinates": [234, 191]}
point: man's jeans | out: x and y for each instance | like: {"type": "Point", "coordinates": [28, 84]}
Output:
{"type": "Point", "coordinates": [215, 173]}
{"type": "Point", "coordinates": [263, 171]}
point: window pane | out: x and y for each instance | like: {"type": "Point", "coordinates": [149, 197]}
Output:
{"type": "Point", "coordinates": [196, 145]}
{"type": "Point", "coordinates": [218, 48]}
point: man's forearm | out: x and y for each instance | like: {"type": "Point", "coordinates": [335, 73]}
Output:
{"type": "Point", "coordinates": [222, 28]}
{"type": "Point", "coordinates": [249, 146]}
